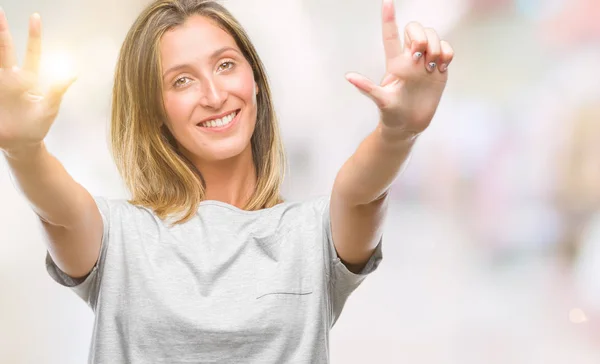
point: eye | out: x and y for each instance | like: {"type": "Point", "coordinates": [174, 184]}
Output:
{"type": "Point", "coordinates": [226, 66]}
{"type": "Point", "coordinates": [181, 81]}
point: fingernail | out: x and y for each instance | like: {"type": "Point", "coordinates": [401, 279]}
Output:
{"type": "Point", "coordinates": [443, 67]}
{"type": "Point", "coordinates": [431, 66]}
{"type": "Point", "coordinates": [417, 56]}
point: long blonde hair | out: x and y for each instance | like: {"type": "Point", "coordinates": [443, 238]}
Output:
{"type": "Point", "coordinates": [156, 173]}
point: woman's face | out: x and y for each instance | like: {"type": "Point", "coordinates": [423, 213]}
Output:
{"type": "Point", "coordinates": [209, 91]}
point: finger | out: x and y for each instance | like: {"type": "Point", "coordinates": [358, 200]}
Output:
{"type": "Point", "coordinates": [34, 45]}
{"type": "Point", "coordinates": [391, 39]}
{"type": "Point", "coordinates": [8, 57]}
{"type": "Point", "coordinates": [415, 40]}
{"type": "Point", "coordinates": [434, 49]}
{"type": "Point", "coordinates": [446, 56]}
{"type": "Point", "coordinates": [368, 88]}
{"type": "Point", "coordinates": [57, 91]}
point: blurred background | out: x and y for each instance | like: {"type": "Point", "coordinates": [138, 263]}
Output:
{"type": "Point", "coordinates": [492, 247]}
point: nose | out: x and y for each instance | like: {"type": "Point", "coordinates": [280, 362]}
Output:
{"type": "Point", "coordinates": [213, 96]}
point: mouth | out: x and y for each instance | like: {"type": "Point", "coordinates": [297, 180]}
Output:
{"type": "Point", "coordinates": [220, 123]}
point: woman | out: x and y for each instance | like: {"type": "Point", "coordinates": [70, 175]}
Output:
{"type": "Point", "coordinates": [206, 263]}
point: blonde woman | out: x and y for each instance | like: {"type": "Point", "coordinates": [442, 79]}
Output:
{"type": "Point", "coordinates": [206, 263]}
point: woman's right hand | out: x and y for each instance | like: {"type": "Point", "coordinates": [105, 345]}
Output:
{"type": "Point", "coordinates": [26, 114]}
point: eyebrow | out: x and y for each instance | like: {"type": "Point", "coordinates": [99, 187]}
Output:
{"type": "Point", "coordinates": [214, 55]}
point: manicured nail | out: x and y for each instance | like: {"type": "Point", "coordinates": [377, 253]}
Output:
{"type": "Point", "coordinates": [417, 56]}
{"type": "Point", "coordinates": [431, 66]}
{"type": "Point", "coordinates": [443, 67]}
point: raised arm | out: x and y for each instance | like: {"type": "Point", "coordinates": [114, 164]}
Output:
{"type": "Point", "coordinates": [68, 212]}
{"type": "Point", "coordinates": [408, 96]}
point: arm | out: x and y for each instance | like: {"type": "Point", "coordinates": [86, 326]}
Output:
{"type": "Point", "coordinates": [68, 212]}
{"type": "Point", "coordinates": [360, 193]}
{"type": "Point", "coordinates": [407, 99]}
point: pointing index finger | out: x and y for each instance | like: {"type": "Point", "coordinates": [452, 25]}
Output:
{"type": "Point", "coordinates": [391, 39]}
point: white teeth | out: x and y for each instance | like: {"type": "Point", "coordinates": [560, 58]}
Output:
{"type": "Point", "coordinates": [219, 122]}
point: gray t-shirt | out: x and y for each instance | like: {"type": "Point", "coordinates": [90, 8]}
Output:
{"type": "Point", "coordinates": [229, 286]}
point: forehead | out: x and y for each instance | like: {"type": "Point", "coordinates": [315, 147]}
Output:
{"type": "Point", "coordinates": [196, 39]}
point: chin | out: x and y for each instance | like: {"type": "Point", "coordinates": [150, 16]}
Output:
{"type": "Point", "coordinates": [224, 150]}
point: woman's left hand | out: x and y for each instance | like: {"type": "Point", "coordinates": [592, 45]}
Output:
{"type": "Point", "coordinates": [415, 77]}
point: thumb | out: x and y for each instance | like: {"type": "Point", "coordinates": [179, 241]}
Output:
{"type": "Point", "coordinates": [368, 88]}
{"type": "Point", "coordinates": [57, 91]}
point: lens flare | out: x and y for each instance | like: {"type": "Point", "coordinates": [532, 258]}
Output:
{"type": "Point", "coordinates": [57, 67]}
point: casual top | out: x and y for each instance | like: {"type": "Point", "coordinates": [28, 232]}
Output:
{"type": "Point", "coordinates": [228, 286]}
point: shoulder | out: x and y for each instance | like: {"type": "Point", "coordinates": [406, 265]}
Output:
{"type": "Point", "coordinates": [120, 209]}
{"type": "Point", "coordinates": [312, 212]}
{"type": "Point", "coordinates": [310, 206]}
{"type": "Point", "coordinates": [294, 212]}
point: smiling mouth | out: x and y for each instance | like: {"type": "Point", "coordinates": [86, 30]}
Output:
{"type": "Point", "coordinates": [219, 122]}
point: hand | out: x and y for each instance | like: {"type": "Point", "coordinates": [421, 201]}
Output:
{"type": "Point", "coordinates": [26, 113]}
{"type": "Point", "coordinates": [415, 78]}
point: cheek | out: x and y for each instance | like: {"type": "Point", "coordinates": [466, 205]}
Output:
{"type": "Point", "coordinates": [245, 88]}
{"type": "Point", "coordinates": [179, 107]}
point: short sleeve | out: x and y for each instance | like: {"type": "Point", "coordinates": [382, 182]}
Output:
{"type": "Point", "coordinates": [342, 282]}
{"type": "Point", "coordinates": [86, 288]}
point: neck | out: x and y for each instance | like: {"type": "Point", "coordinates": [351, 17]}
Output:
{"type": "Point", "coordinates": [232, 181]}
